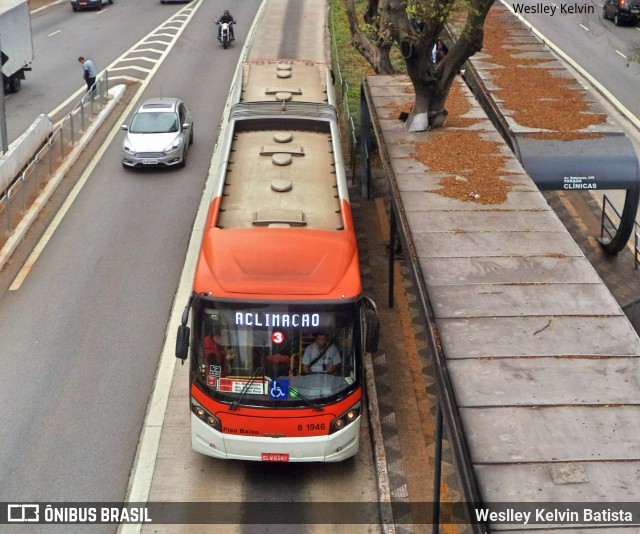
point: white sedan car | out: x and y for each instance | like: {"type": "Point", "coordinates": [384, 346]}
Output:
{"type": "Point", "coordinates": [159, 134]}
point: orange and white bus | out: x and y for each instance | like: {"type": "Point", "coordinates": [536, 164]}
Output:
{"type": "Point", "coordinates": [279, 323]}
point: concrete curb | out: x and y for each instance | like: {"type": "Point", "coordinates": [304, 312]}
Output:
{"type": "Point", "coordinates": [115, 94]}
{"type": "Point", "coordinates": [382, 475]}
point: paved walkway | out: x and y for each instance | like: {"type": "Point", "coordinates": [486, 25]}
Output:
{"type": "Point", "coordinates": [580, 214]}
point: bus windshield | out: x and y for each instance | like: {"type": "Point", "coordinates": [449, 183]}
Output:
{"type": "Point", "coordinates": [276, 353]}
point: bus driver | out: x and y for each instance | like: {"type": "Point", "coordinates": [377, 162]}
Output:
{"type": "Point", "coordinates": [321, 356]}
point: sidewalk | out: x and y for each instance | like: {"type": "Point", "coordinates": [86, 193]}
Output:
{"type": "Point", "coordinates": [580, 214]}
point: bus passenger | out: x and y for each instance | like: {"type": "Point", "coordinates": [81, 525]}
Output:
{"type": "Point", "coordinates": [321, 356]}
{"type": "Point", "coordinates": [214, 353]}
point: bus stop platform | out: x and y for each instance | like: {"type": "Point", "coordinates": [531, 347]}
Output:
{"type": "Point", "coordinates": [515, 319]}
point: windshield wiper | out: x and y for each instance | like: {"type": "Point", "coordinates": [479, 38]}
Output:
{"type": "Point", "coordinates": [315, 406]}
{"type": "Point", "coordinates": [234, 404]}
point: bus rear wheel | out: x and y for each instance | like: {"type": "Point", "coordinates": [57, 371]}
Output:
{"type": "Point", "coordinates": [15, 83]}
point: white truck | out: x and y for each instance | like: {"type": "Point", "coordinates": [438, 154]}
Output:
{"type": "Point", "coordinates": [16, 45]}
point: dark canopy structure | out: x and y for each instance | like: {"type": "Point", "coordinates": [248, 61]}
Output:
{"type": "Point", "coordinates": [607, 162]}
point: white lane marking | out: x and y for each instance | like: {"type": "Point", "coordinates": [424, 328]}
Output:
{"type": "Point", "coordinates": [35, 254]}
{"type": "Point", "coordinates": [584, 28]}
{"type": "Point", "coordinates": [54, 33]}
{"type": "Point", "coordinates": [618, 52]}
{"type": "Point", "coordinates": [74, 97]}
{"type": "Point", "coordinates": [130, 67]}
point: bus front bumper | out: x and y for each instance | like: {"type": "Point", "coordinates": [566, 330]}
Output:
{"type": "Point", "coordinates": [332, 448]}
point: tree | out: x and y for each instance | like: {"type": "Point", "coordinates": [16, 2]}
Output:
{"type": "Point", "coordinates": [378, 54]}
{"type": "Point", "coordinates": [415, 26]}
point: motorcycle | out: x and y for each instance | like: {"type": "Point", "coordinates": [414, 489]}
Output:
{"type": "Point", "coordinates": [225, 33]}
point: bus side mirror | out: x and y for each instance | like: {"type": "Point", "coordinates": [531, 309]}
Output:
{"type": "Point", "coordinates": [182, 342]}
{"type": "Point", "coordinates": [373, 326]}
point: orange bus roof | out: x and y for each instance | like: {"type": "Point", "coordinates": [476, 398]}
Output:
{"type": "Point", "coordinates": [278, 263]}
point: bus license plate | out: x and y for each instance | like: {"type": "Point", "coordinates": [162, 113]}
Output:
{"type": "Point", "coordinates": [149, 161]}
{"type": "Point", "coordinates": [273, 457]}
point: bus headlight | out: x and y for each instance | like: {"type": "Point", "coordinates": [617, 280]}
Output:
{"type": "Point", "coordinates": [346, 418]}
{"type": "Point", "coordinates": [203, 414]}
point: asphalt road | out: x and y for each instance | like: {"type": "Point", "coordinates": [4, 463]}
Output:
{"type": "Point", "coordinates": [604, 50]}
{"type": "Point", "coordinates": [60, 36]}
{"type": "Point", "coordinates": [81, 337]}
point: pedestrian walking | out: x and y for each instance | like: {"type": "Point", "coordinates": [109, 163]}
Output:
{"type": "Point", "coordinates": [438, 51]}
{"type": "Point", "coordinates": [89, 72]}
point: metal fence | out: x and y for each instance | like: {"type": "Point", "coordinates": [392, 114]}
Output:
{"type": "Point", "coordinates": [343, 92]}
{"type": "Point", "coordinates": [29, 183]}
{"type": "Point", "coordinates": [609, 226]}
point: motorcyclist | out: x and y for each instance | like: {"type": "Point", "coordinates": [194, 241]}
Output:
{"type": "Point", "coordinates": [228, 18]}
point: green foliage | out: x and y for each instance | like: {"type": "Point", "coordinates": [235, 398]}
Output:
{"type": "Point", "coordinates": [419, 10]}
{"type": "Point", "coordinates": [471, 7]}
{"type": "Point", "coordinates": [413, 12]}
{"type": "Point", "coordinates": [349, 67]}
{"type": "Point", "coordinates": [369, 30]}
{"type": "Point", "coordinates": [348, 64]}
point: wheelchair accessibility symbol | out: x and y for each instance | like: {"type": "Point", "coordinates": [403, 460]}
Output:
{"type": "Point", "coordinates": [279, 389]}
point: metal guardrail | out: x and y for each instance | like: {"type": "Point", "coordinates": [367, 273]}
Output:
{"type": "Point", "coordinates": [607, 224]}
{"type": "Point", "coordinates": [28, 184]}
{"type": "Point", "coordinates": [365, 149]}
{"type": "Point", "coordinates": [343, 90]}
{"type": "Point", "coordinates": [609, 227]}
{"type": "Point", "coordinates": [636, 251]}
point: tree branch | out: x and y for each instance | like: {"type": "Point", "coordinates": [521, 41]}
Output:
{"type": "Point", "coordinates": [377, 55]}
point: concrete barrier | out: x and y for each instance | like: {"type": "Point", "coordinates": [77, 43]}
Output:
{"type": "Point", "coordinates": [21, 151]}
{"type": "Point", "coordinates": [115, 94]}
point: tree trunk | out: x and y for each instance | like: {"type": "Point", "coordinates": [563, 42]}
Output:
{"type": "Point", "coordinates": [415, 26]}
{"type": "Point", "coordinates": [377, 55]}
{"type": "Point", "coordinates": [432, 83]}
{"type": "Point", "coordinates": [428, 110]}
